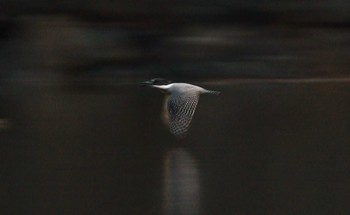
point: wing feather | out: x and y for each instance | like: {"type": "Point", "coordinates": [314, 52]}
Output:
{"type": "Point", "coordinates": [179, 112]}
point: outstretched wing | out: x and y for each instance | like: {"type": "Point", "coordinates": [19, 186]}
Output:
{"type": "Point", "coordinates": [180, 110]}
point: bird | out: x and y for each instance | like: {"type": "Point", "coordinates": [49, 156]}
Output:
{"type": "Point", "coordinates": [179, 104]}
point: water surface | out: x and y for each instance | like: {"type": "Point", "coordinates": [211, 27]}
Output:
{"type": "Point", "coordinates": [258, 148]}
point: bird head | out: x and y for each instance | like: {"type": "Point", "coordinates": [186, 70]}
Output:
{"type": "Point", "coordinates": [156, 82]}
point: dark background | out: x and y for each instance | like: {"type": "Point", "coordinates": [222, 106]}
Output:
{"type": "Point", "coordinates": [79, 136]}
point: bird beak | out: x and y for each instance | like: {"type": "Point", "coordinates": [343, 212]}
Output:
{"type": "Point", "coordinates": [146, 83]}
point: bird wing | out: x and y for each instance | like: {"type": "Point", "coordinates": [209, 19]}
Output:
{"type": "Point", "coordinates": [180, 108]}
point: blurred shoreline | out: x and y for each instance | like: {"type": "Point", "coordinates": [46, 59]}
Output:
{"type": "Point", "coordinates": [228, 40]}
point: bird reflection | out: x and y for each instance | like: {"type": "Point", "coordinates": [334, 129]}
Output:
{"type": "Point", "coordinates": [181, 185]}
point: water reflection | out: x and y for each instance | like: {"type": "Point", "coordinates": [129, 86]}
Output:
{"type": "Point", "coordinates": [181, 184]}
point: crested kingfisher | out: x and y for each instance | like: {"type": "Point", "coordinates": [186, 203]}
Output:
{"type": "Point", "coordinates": [179, 104]}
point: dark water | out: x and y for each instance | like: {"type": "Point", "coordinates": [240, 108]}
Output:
{"type": "Point", "coordinates": [256, 149]}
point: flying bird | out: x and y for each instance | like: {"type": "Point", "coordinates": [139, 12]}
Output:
{"type": "Point", "coordinates": [179, 104]}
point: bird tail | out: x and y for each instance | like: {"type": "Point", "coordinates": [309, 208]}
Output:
{"type": "Point", "coordinates": [212, 92]}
